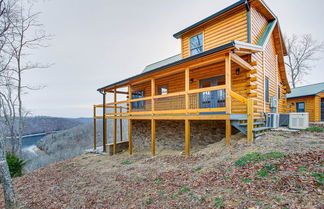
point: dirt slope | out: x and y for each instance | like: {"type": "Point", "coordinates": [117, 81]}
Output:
{"type": "Point", "coordinates": [289, 176]}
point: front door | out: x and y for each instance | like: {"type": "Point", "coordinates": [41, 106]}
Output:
{"type": "Point", "coordinates": [212, 99]}
{"type": "Point", "coordinates": [322, 109]}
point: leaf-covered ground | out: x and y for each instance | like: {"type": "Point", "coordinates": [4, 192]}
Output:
{"type": "Point", "coordinates": [281, 170]}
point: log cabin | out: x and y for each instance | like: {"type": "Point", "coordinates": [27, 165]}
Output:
{"type": "Point", "coordinates": [230, 73]}
{"type": "Point", "coordinates": [309, 99]}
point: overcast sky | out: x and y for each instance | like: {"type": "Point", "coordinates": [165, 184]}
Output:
{"type": "Point", "coordinates": [99, 42]}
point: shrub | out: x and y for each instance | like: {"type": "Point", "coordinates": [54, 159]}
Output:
{"type": "Point", "coordinates": [262, 173]}
{"type": "Point", "coordinates": [126, 162]}
{"type": "Point", "coordinates": [219, 202]}
{"type": "Point", "coordinates": [15, 164]}
{"type": "Point", "coordinates": [185, 189]}
{"type": "Point", "coordinates": [319, 177]}
{"type": "Point", "coordinates": [315, 129]}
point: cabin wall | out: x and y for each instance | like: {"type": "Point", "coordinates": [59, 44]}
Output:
{"type": "Point", "coordinates": [310, 106]}
{"type": "Point", "coordinates": [224, 29]}
{"type": "Point", "coordinates": [258, 25]}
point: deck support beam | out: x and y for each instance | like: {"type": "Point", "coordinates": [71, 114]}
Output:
{"type": "Point", "coordinates": [115, 124]}
{"type": "Point", "coordinates": [121, 125]}
{"type": "Point", "coordinates": [250, 121]}
{"type": "Point", "coordinates": [228, 132]}
{"type": "Point", "coordinates": [153, 135]}
{"type": "Point", "coordinates": [187, 137]}
{"type": "Point", "coordinates": [104, 123]}
{"type": "Point", "coordinates": [94, 128]}
{"type": "Point", "coordinates": [130, 141]}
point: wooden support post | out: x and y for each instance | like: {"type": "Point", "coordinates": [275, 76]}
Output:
{"type": "Point", "coordinates": [250, 121]}
{"type": "Point", "coordinates": [130, 142]}
{"type": "Point", "coordinates": [115, 123]}
{"type": "Point", "coordinates": [187, 76]}
{"type": "Point", "coordinates": [104, 123]}
{"type": "Point", "coordinates": [152, 94]}
{"type": "Point", "coordinates": [228, 83]}
{"type": "Point", "coordinates": [228, 132]}
{"type": "Point", "coordinates": [153, 135]}
{"type": "Point", "coordinates": [94, 128]}
{"type": "Point", "coordinates": [187, 137]}
{"type": "Point", "coordinates": [121, 125]}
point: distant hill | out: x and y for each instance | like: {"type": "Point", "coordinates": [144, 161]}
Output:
{"type": "Point", "coordinates": [41, 124]}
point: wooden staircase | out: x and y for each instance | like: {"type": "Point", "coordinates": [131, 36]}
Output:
{"type": "Point", "coordinates": [259, 126]}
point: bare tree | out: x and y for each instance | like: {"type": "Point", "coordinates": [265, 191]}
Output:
{"type": "Point", "coordinates": [302, 52]}
{"type": "Point", "coordinates": [26, 35]}
{"type": "Point", "coordinates": [5, 14]}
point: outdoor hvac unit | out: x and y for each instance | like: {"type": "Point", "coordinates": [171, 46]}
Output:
{"type": "Point", "coordinates": [299, 120]}
{"type": "Point", "coordinates": [284, 120]}
{"type": "Point", "coordinates": [273, 120]}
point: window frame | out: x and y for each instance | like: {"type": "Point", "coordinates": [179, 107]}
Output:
{"type": "Point", "coordinates": [139, 104]}
{"type": "Point", "coordinates": [163, 87]}
{"type": "Point", "coordinates": [202, 43]}
{"type": "Point", "coordinates": [297, 104]}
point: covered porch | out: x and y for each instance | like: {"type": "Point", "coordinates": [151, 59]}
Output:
{"type": "Point", "coordinates": [210, 86]}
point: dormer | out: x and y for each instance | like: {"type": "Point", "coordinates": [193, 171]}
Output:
{"type": "Point", "coordinates": [244, 21]}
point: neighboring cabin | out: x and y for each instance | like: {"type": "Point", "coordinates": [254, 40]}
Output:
{"type": "Point", "coordinates": [309, 99]}
{"type": "Point", "coordinates": [230, 72]}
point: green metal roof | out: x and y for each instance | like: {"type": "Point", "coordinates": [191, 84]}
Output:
{"type": "Point", "coordinates": [162, 63]}
{"type": "Point", "coordinates": [309, 90]}
{"type": "Point", "coordinates": [267, 33]}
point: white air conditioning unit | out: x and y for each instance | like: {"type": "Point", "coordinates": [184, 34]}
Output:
{"type": "Point", "coordinates": [299, 120]}
{"type": "Point", "coordinates": [273, 120]}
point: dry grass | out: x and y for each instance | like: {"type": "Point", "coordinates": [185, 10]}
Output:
{"type": "Point", "coordinates": [206, 179]}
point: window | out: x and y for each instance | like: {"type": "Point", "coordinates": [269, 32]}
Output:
{"type": "Point", "coordinates": [300, 107]}
{"type": "Point", "coordinates": [266, 90]}
{"type": "Point", "coordinates": [279, 92]}
{"type": "Point", "coordinates": [196, 44]}
{"type": "Point", "coordinates": [163, 90]}
{"type": "Point", "coordinates": [139, 104]}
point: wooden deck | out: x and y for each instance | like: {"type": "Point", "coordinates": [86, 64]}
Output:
{"type": "Point", "coordinates": [183, 99]}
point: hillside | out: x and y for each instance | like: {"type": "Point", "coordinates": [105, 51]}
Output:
{"type": "Point", "coordinates": [42, 124]}
{"type": "Point", "coordinates": [281, 170]}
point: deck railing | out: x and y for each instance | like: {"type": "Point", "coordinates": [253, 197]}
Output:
{"type": "Point", "coordinates": [168, 104]}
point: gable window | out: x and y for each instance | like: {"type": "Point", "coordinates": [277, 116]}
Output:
{"type": "Point", "coordinates": [139, 104]}
{"type": "Point", "coordinates": [300, 107]}
{"type": "Point", "coordinates": [163, 90]}
{"type": "Point", "coordinates": [196, 44]}
{"type": "Point", "coordinates": [266, 89]}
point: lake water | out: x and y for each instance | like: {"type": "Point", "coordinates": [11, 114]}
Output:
{"type": "Point", "coordinates": [29, 141]}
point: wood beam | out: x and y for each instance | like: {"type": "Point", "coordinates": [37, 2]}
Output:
{"type": "Point", "coordinates": [121, 125]}
{"type": "Point", "coordinates": [152, 94]}
{"type": "Point", "coordinates": [171, 117]}
{"type": "Point", "coordinates": [115, 124]}
{"type": "Point", "coordinates": [250, 120]}
{"type": "Point", "coordinates": [241, 62]}
{"type": "Point", "coordinates": [104, 124]}
{"type": "Point", "coordinates": [187, 137]}
{"type": "Point", "coordinates": [153, 135]}
{"type": "Point", "coordinates": [228, 82]}
{"type": "Point", "coordinates": [228, 132]}
{"type": "Point", "coordinates": [187, 76]}
{"type": "Point", "coordinates": [94, 128]}
{"type": "Point", "coordinates": [130, 140]}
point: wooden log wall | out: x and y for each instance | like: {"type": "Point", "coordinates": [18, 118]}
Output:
{"type": "Point", "coordinates": [230, 26]}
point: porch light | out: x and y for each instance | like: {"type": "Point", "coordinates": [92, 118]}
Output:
{"type": "Point", "coordinates": [238, 71]}
{"type": "Point", "coordinates": [191, 81]}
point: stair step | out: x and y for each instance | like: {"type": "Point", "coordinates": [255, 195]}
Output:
{"type": "Point", "coordinates": [255, 123]}
{"type": "Point", "coordinates": [260, 129]}
{"type": "Point", "coordinates": [259, 134]}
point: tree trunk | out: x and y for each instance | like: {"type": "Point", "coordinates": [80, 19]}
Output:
{"type": "Point", "coordinates": [6, 181]}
